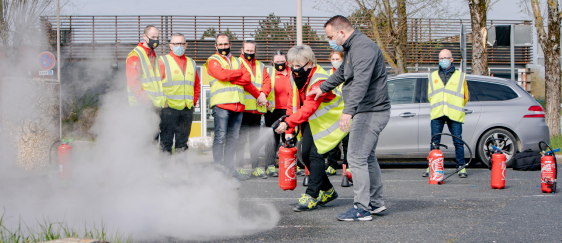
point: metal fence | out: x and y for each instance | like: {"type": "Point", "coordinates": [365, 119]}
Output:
{"type": "Point", "coordinates": [113, 37]}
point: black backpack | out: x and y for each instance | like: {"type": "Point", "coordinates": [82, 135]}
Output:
{"type": "Point", "coordinates": [526, 160]}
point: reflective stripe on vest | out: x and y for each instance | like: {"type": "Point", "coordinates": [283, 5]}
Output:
{"type": "Point", "coordinates": [271, 96]}
{"type": "Point", "coordinates": [179, 86]}
{"type": "Point", "coordinates": [224, 92]}
{"type": "Point", "coordinates": [447, 100]}
{"type": "Point", "coordinates": [150, 82]}
{"type": "Point", "coordinates": [324, 123]}
{"type": "Point", "coordinates": [250, 102]}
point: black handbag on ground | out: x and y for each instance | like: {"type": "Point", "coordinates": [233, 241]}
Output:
{"type": "Point", "coordinates": [526, 160]}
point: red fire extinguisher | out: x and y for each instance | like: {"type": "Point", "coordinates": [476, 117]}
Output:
{"type": "Point", "coordinates": [549, 169]}
{"type": "Point", "coordinates": [65, 160]}
{"type": "Point", "coordinates": [498, 169]}
{"type": "Point", "coordinates": [436, 164]}
{"type": "Point", "coordinates": [288, 165]}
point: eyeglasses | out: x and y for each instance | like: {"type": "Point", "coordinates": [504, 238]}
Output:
{"type": "Point", "coordinates": [443, 58]}
{"type": "Point", "coordinates": [178, 44]}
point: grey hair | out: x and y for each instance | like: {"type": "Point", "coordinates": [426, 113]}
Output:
{"type": "Point", "coordinates": [177, 34]}
{"type": "Point", "coordinates": [301, 53]}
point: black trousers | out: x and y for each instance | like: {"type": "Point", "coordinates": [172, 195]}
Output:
{"type": "Point", "coordinates": [334, 154]}
{"type": "Point", "coordinates": [315, 164]}
{"type": "Point", "coordinates": [272, 145]}
{"type": "Point", "coordinates": [175, 123]}
{"type": "Point", "coordinates": [249, 130]}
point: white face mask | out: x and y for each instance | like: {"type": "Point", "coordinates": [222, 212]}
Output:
{"type": "Point", "coordinates": [336, 64]}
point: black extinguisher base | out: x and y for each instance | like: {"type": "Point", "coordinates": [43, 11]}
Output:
{"type": "Point", "coordinates": [305, 181]}
{"type": "Point", "coordinates": [345, 182]}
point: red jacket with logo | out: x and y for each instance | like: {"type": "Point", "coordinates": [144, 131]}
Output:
{"type": "Point", "coordinates": [182, 62]}
{"type": "Point", "coordinates": [134, 71]}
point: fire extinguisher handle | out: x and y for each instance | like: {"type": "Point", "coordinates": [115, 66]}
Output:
{"type": "Point", "coordinates": [496, 149]}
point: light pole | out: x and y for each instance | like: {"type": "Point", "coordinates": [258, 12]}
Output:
{"type": "Point", "coordinates": [299, 22]}
{"type": "Point", "coordinates": [58, 69]}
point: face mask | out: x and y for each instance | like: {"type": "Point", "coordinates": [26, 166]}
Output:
{"type": "Point", "coordinates": [153, 43]}
{"type": "Point", "coordinates": [334, 44]}
{"type": "Point", "coordinates": [224, 51]}
{"type": "Point", "coordinates": [300, 76]}
{"type": "Point", "coordinates": [280, 66]}
{"type": "Point", "coordinates": [444, 63]}
{"type": "Point", "coordinates": [178, 50]}
{"type": "Point", "coordinates": [249, 57]}
{"type": "Point", "coordinates": [336, 64]}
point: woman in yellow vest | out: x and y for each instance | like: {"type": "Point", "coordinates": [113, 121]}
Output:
{"type": "Point", "coordinates": [336, 57]}
{"type": "Point", "coordinates": [180, 83]}
{"type": "Point", "coordinates": [316, 123]}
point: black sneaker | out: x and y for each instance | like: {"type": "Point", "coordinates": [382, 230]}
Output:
{"type": "Point", "coordinates": [426, 173]}
{"type": "Point", "coordinates": [326, 196]}
{"type": "Point", "coordinates": [355, 214]}
{"type": "Point", "coordinates": [462, 173]}
{"type": "Point", "coordinates": [270, 171]}
{"type": "Point", "coordinates": [306, 203]}
{"type": "Point", "coordinates": [376, 210]}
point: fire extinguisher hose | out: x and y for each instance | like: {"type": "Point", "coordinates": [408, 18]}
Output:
{"type": "Point", "coordinates": [51, 149]}
{"type": "Point", "coordinates": [555, 164]}
{"type": "Point", "coordinates": [469, 150]}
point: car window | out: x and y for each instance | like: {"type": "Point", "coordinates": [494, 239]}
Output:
{"type": "Point", "coordinates": [402, 91]}
{"type": "Point", "coordinates": [423, 98]}
{"type": "Point", "coordinates": [492, 92]}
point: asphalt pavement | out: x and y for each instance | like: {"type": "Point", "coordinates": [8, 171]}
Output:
{"type": "Point", "coordinates": [461, 210]}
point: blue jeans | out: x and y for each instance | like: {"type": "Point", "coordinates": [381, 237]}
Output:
{"type": "Point", "coordinates": [456, 129]}
{"type": "Point", "coordinates": [227, 127]}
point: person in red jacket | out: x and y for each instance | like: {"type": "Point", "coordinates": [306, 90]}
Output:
{"type": "Point", "coordinates": [251, 120]}
{"type": "Point", "coordinates": [303, 67]}
{"type": "Point", "coordinates": [228, 117]}
{"type": "Point", "coordinates": [133, 67]}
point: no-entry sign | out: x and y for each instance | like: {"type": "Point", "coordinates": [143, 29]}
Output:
{"type": "Point", "coordinates": [46, 60]}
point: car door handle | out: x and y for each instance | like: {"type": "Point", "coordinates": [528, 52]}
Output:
{"type": "Point", "coordinates": [467, 111]}
{"type": "Point", "coordinates": [407, 114]}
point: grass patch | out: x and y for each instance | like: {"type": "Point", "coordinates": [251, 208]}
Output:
{"type": "Point", "coordinates": [556, 142]}
{"type": "Point", "coordinates": [47, 231]}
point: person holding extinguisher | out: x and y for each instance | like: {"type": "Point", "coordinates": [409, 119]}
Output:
{"type": "Point", "coordinates": [448, 94]}
{"type": "Point", "coordinates": [314, 122]}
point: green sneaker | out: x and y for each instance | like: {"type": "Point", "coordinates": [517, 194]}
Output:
{"type": "Point", "coordinates": [270, 171]}
{"type": "Point", "coordinates": [242, 174]}
{"type": "Point", "coordinates": [306, 203]}
{"type": "Point", "coordinates": [326, 196]}
{"type": "Point", "coordinates": [426, 173]}
{"type": "Point", "coordinates": [462, 173]}
{"type": "Point", "coordinates": [330, 171]}
{"type": "Point", "coordinates": [258, 172]}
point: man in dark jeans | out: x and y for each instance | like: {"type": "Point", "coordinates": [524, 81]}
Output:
{"type": "Point", "coordinates": [448, 94]}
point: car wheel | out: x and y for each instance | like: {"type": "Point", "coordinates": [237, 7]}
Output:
{"type": "Point", "coordinates": [509, 147]}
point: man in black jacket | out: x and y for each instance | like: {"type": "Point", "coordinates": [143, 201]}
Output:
{"type": "Point", "coordinates": [365, 94]}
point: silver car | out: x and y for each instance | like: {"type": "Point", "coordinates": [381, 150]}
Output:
{"type": "Point", "coordinates": [497, 109]}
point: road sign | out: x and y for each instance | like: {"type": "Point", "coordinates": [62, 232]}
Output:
{"type": "Point", "coordinates": [46, 60]}
{"type": "Point", "coordinates": [43, 73]}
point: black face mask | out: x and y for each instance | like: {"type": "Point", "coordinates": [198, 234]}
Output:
{"type": "Point", "coordinates": [280, 66]}
{"type": "Point", "coordinates": [153, 43]}
{"type": "Point", "coordinates": [300, 76]}
{"type": "Point", "coordinates": [224, 51]}
{"type": "Point", "coordinates": [249, 57]}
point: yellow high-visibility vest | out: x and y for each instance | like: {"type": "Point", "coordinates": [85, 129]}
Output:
{"type": "Point", "coordinates": [151, 83]}
{"type": "Point", "coordinates": [179, 87]}
{"type": "Point", "coordinates": [271, 96]}
{"type": "Point", "coordinates": [250, 102]}
{"type": "Point", "coordinates": [324, 123]}
{"type": "Point", "coordinates": [447, 100]}
{"type": "Point", "coordinates": [224, 92]}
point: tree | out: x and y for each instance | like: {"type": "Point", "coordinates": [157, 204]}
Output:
{"type": "Point", "coordinates": [550, 43]}
{"type": "Point", "coordinates": [478, 18]}
{"type": "Point", "coordinates": [212, 33]}
{"type": "Point", "coordinates": [270, 29]}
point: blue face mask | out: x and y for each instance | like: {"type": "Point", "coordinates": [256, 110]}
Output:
{"type": "Point", "coordinates": [444, 63]}
{"type": "Point", "coordinates": [334, 44]}
{"type": "Point", "coordinates": [178, 50]}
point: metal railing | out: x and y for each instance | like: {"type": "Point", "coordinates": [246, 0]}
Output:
{"type": "Point", "coordinates": [113, 37]}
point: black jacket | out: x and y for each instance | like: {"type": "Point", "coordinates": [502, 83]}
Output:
{"type": "Point", "coordinates": [363, 75]}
